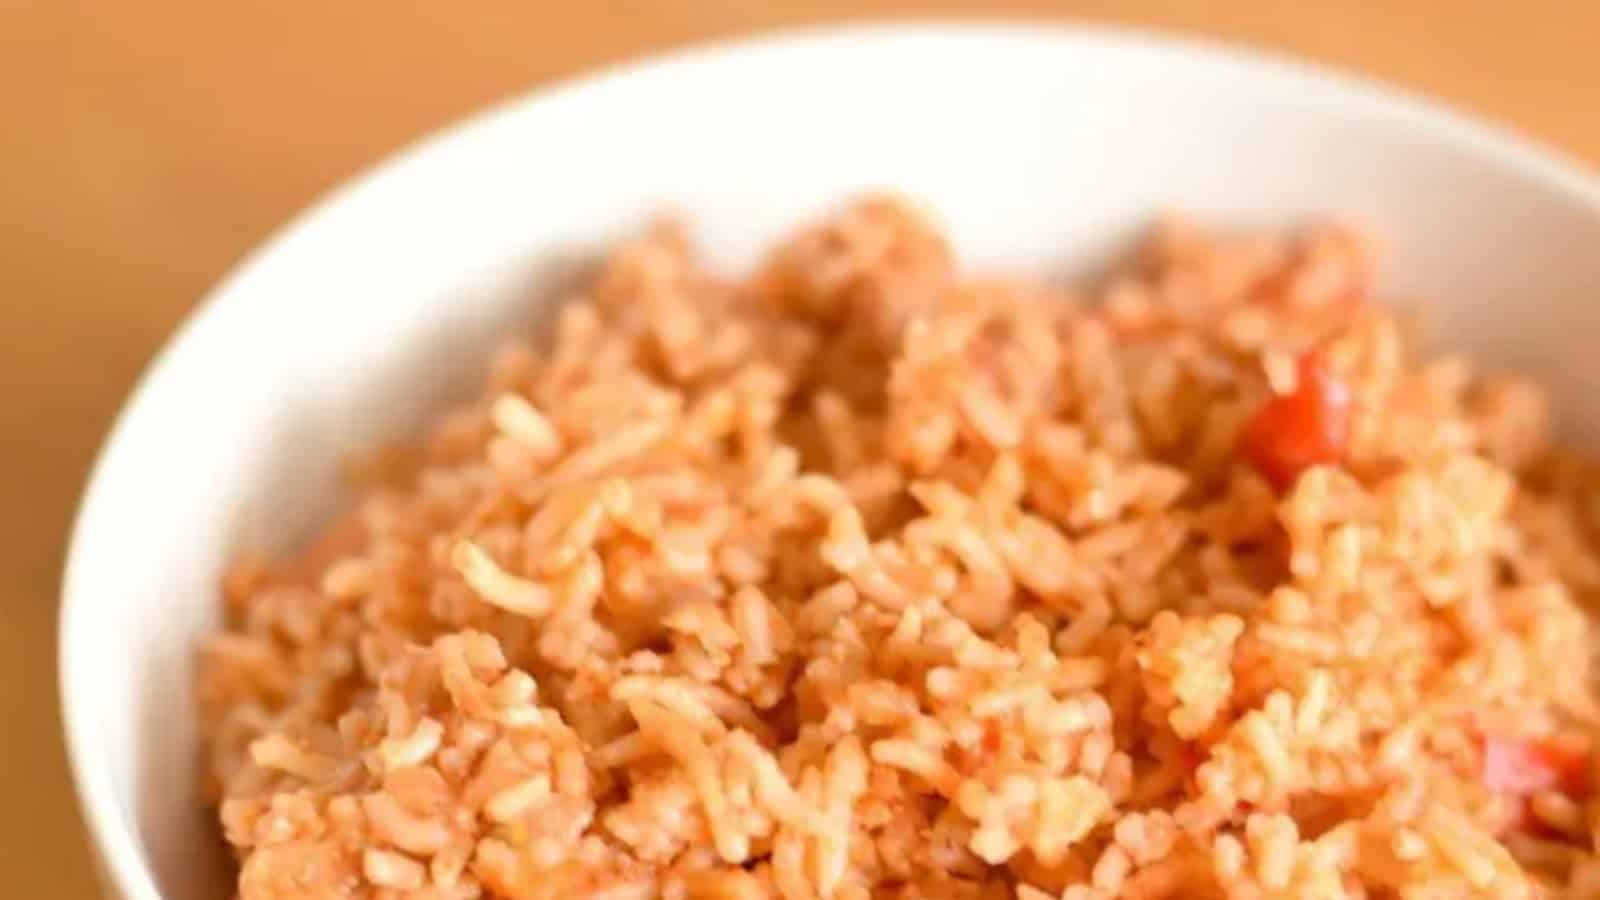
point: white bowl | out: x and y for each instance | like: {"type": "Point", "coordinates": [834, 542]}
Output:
{"type": "Point", "coordinates": [1040, 149]}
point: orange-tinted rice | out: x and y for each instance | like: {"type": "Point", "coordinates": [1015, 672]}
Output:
{"type": "Point", "coordinates": [862, 578]}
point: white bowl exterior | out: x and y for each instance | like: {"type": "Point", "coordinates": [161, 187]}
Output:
{"type": "Point", "coordinates": [1040, 150]}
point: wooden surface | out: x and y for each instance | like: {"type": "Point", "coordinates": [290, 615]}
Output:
{"type": "Point", "coordinates": [146, 146]}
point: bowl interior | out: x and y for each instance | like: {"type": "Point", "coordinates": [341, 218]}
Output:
{"type": "Point", "coordinates": [1041, 151]}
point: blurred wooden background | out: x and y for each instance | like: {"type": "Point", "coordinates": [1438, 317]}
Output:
{"type": "Point", "coordinates": [146, 146]}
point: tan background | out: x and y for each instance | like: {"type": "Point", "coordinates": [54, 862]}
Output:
{"type": "Point", "coordinates": [145, 146]}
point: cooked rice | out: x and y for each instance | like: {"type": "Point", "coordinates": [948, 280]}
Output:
{"type": "Point", "coordinates": [863, 579]}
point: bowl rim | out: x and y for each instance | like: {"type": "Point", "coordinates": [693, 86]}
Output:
{"type": "Point", "coordinates": [118, 849]}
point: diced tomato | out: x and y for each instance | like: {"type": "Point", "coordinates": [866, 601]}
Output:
{"type": "Point", "coordinates": [1524, 767]}
{"type": "Point", "coordinates": [992, 738]}
{"type": "Point", "coordinates": [1293, 432]}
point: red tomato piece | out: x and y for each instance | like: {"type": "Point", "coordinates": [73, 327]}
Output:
{"type": "Point", "coordinates": [1524, 767]}
{"type": "Point", "coordinates": [992, 738]}
{"type": "Point", "coordinates": [1293, 432]}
